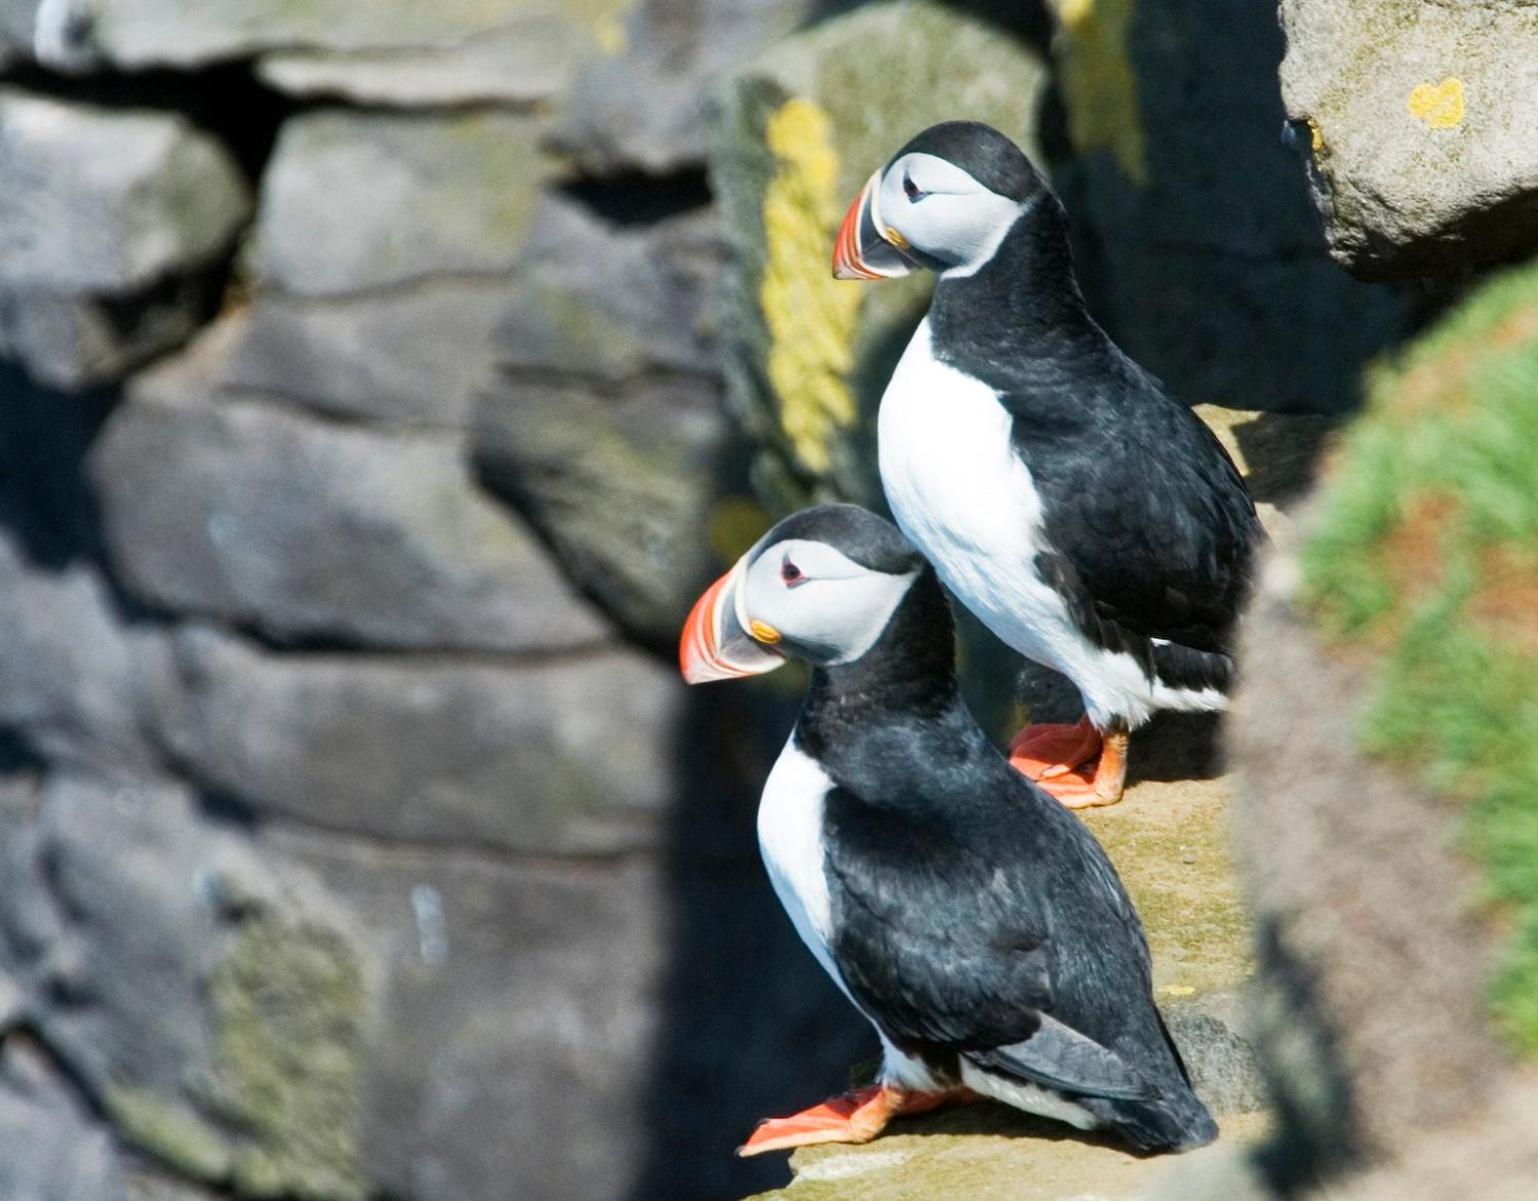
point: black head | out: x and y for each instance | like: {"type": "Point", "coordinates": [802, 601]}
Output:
{"type": "Point", "coordinates": [820, 586]}
{"type": "Point", "coordinates": [945, 201]}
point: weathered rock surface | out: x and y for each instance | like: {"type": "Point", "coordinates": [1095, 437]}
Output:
{"type": "Point", "coordinates": [572, 756]}
{"type": "Point", "coordinates": [531, 56]}
{"type": "Point", "coordinates": [308, 530]}
{"type": "Point", "coordinates": [206, 1002]}
{"type": "Point", "coordinates": [109, 223]}
{"type": "Point", "coordinates": [146, 195]}
{"type": "Point", "coordinates": [459, 186]}
{"type": "Point", "coordinates": [604, 423]}
{"type": "Point", "coordinates": [1413, 118]}
{"type": "Point", "coordinates": [415, 356]}
{"type": "Point", "coordinates": [640, 109]}
{"type": "Point", "coordinates": [90, 34]}
{"type": "Point", "coordinates": [475, 959]}
{"type": "Point", "coordinates": [71, 674]}
{"type": "Point", "coordinates": [1197, 246]}
{"type": "Point", "coordinates": [76, 341]}
{"type": "Point", "coordinates": [56, 1147]}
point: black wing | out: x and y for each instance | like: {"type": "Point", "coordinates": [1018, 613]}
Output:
{"type": "Point", "coordinates": [995, 930]}
{"type": "Point", "coordinates": [1142, 502]}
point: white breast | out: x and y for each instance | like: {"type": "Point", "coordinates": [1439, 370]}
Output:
{"type": "Point", "coordinates": [962, 495]}
{"type": "Point", "coordinates": [790, 840]}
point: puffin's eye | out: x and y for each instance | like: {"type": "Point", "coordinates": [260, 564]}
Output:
{"type": "Point", "coordinates": [791, 574]}
{"type": "Point", "coordinates": [911, 189]}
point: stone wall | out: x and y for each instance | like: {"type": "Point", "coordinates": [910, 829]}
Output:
{"type": "Point", "coordinates": [359, 439]}
{"type": "Point", "coordinates": [380, 381]}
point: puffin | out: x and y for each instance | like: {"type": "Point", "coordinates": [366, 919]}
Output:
{"type": "Point", "coordinates": [1090, 520]}
{"type": "Point", "coordinates": [972, 919]}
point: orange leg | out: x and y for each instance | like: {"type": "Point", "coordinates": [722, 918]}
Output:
{"type": "Point", "coordinates": [855, 1117]}
{"type": "Point", "coordinates": [1063, 761]}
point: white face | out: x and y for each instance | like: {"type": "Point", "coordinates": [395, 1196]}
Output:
{"type": "Point", "coordinates": [822, 603]}
{"type": "Point", "coordinates": [939, 209]}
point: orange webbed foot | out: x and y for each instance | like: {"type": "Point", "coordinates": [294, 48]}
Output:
{"type": "Point", "coordinates": [1076, 764]}
{"type": "Point", "coordinates": [855, 1117]}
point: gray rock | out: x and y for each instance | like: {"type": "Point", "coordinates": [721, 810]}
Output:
{"type": "Point", "coordinates": [209, 1003]}
{"type": "Point", "coordinates": [55, 1148]}
{"type": "Point", "coordinates": [1415, 120]}
{"type": "Point", "coordinates": [89, 34]}
{"type": "Point", "coordinates": [308, 530]}
{"type": "Point", "coordinates": [1199, 250]}
{"type": "Point", "coordinates": [77, 341]}
{"type": "Point", "coordinates": [356, 201]}
{"type": "Point", "coordinates": [74, 679]}
{"type": "Point", "coordinates": [615, 299]}
{"type": "Point", "coordinates": [519, 1000]}
{"type": "Point", "coordinates": [622, 481]}
{"type": "Point", "coordinates": [605, 425]}
{"type": "Point", "coordinates": [567, 756]}
{"type": "Point", "coordinates": [529, 58]}
{"type": "Point", "coordinates": [413, 357]}
{"type": "Point", "coordinates": [641, 110]}
{"type": "Point", "coordinates": [147, 195]}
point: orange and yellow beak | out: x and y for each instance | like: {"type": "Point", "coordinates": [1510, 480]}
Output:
{"type": "Point", "coordinates": [719, 642]}
{"type": "Point", "coordinates": [865, 248]}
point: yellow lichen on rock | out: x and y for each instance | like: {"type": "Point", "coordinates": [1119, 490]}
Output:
{"type": "Point", "coordinates": [810, 316]}
{"type": "Point", "coordinates": [1439, 105]}
{"type": "Point", "coordinates": [1099, 82]}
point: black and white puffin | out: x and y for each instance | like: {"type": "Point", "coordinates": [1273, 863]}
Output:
{"type": "Point", "coordinates": [1089, 520]}
{"type": "Point", "coordinates": [971, 918]}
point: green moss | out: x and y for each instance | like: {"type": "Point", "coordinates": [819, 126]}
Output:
{"type": "Point", "coordinates": [288, 1004]}
{"type": "Point", "coordinates": [176, 1138]}
{"type": "Point", "coordinates": [1426, 560]}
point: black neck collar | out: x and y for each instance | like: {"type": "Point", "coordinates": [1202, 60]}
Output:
{"type": "Point", "coordinates": [910, 672]}
{"type": "Point", "coordinates": [1021, 314]}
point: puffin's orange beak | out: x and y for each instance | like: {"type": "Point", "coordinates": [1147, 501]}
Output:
{"type": "Point", "coordinates": [715, 645]}
{"type": "Point", "coordinates": [864, 248]}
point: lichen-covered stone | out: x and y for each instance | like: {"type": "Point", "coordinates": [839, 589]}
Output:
{"type": "Point", "coordinates": [289, 1006]}
{"type": "Point", "coordinates": [353, 201]}
{"type": "Point", "coordinates": [208, 1002]}
{"type": "Point", "coordinates": [794, 134]}
{"type": "Point", "coordinates": [1197, 245]}
{"type": "Point", "coordinates": [56, 1148]}
{"type": "Point", "coordinates": [1414, 118]}
{"type": "Point", "coordinates": [306, 530]}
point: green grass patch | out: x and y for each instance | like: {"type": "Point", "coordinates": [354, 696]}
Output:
{"type": "Point", "coordinates": [1426, 561]}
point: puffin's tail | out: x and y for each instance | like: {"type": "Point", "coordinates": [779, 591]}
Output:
{"type": "Point", "coordinates": [1190, 670]}
{"type": "Point", "coordinates": [1177, 1121]}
